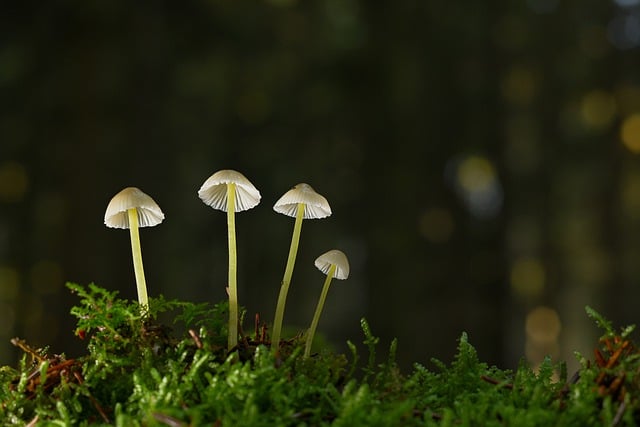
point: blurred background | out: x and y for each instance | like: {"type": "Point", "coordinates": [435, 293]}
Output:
{"type": "Point", "coordinates": [480, 158]}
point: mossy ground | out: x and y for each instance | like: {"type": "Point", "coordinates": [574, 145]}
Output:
{"type": "Point", "coordinates": [137, 373]}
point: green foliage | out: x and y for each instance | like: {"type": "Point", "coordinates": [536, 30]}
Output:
{"type": "Point", "coordinates": [137, 373]}
{"type": "Point", "coordinates": [607, 326]}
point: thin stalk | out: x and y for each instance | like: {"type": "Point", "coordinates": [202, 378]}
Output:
{"type": "Point", "coordinates": [286, 280]}
{"type": "Point", "coordinates": [136, 251]}
{"type": "Point", "coordinates": [233, 290]}
{"type": "Point", "coordinates": [316, 316]}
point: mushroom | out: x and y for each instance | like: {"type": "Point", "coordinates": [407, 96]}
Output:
{"type": "Point", "coordinates": [334, 264]}
{"type": "Point", "coordinates": [301, 202]}
{"type": "Point", "coordinates": [231, 192]}
{"type": "Point", "coordinates": [131, 208]}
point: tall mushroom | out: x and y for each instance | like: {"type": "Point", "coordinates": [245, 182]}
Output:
{"type": "Point", "coordinates": [231, 192]}
{"type": "Point", "coordinates": [334, 264]}
{"type": "Point", "coordinates": [301, 202]}
{"type": "Point", "coordinates": [131, 208]}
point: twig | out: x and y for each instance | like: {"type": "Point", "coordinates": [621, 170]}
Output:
{"type": "Point", "coordinates": [619, 414]}
{"type": "Point", "coordinates": [166, 419]}
{"type": "Point", "coordinates": [195, 338]}
{"type": "Point", "coordinates": [93, 399]}
{"type": "Point", "coordinates": [496, 382]}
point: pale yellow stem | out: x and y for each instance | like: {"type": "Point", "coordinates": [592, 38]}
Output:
{"type": "Point", "coordinates": [316, 316]}
{"type": "Point", "coordinates": [288, 272]}
{"type": "Point", "coordinates": [233, 291]}
{"type": "Point", "coordinates": [136, 251]}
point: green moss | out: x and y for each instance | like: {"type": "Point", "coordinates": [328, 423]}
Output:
{"type": "Point", "coordinates": [137, 372]}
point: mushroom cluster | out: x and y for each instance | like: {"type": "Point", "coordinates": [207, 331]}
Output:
{"type": "Point", "coordinates": [301, 202]}
{"type": "Point", "coordinates": [230, 191]}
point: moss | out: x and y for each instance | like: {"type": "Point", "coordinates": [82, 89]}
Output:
{"type": "Point", "coordinates": [137, 372]}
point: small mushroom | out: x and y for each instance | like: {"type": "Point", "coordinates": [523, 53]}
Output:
{"type": "Point", "coordinates": [334, 264]}
{"type": "Point", "coordinates": [131, 208]}
{"type": "Point", "coordinates": [301, 202]}
{"type": "Point", "coordinates": [231, 192]}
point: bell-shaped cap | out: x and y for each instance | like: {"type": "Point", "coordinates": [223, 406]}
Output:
{"type": "Point", "coordinates": [149, 213]}
{"type": "Point", "coordinates": [337, 258]}
{"type": "Point", "coordinates": [315, 206]}
{"type": "Point", "coordinates": [214, 191]}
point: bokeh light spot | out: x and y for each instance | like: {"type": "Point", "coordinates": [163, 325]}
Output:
{"type": "Point", "coordinates": [598, 108]}
{"type": "Point", "coordinates": [624, 31]}
{"type": "Point", "coordinates": [476, 183]}
{"type": "Point", "coordinates": [13, 182]}
{"type": "Point", "coordinates": [475, 173]}
{"type": "Point", "coordinates": [543, 330]}
{"type": "Point", "coordinates": [543, 324]}
{"type": "Point", "coordinates": [627, 3]}
{"type": "Point", "coordinates": [528, 277]}
{"type": "Point", "coordinates": [436, 225]}
{"type": "Point", "coordinates": [630, 133]}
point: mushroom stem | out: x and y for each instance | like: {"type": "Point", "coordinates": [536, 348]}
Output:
{"type": "Point", "coordinates": [286, 280]}
{"type": "Point", "coordinates": [316, 316]}
{"type": "Point", "coordinates": [136, 251]}
{"type": "Point", "coordinates": [233, 291]}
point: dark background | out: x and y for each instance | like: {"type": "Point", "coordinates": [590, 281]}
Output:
{"type": "Point", "coordinates": [480, 158]}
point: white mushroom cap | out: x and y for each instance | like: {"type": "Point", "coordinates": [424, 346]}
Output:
{"type": "Point", "coordinates": [149, 213]}
{"type": "Point", "coordinates": [334, 257]}
{"type": "Point", "coordinates": [214, 191]}
{"type": "Point", "coordinates": [315, 206]}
